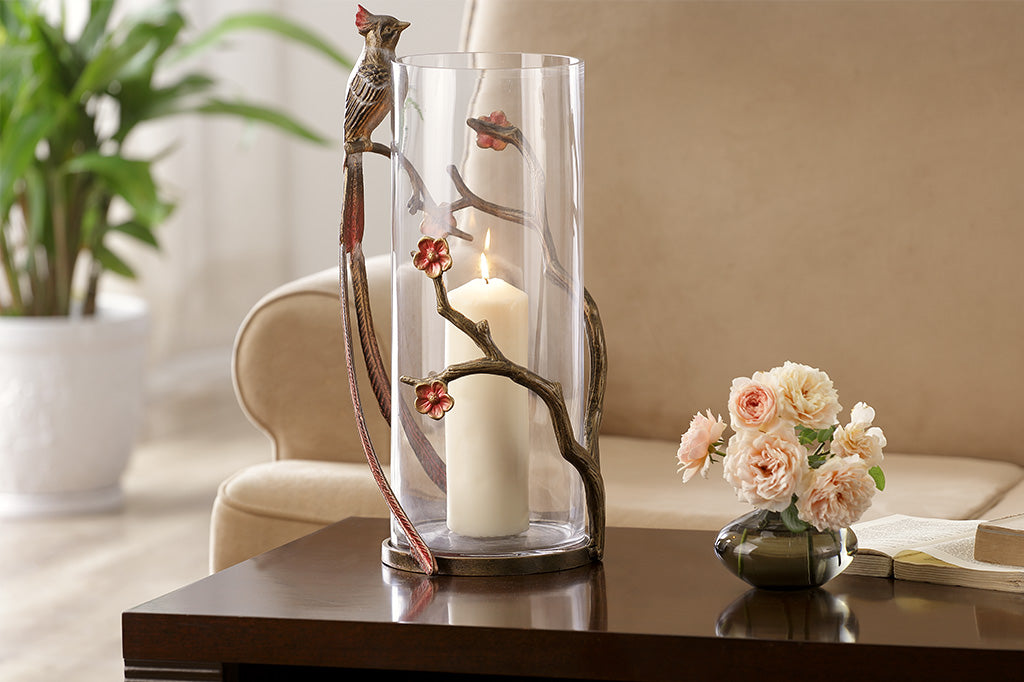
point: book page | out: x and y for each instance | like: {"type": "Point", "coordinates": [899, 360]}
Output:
{"type": "Point", "coordinates": [892, 534]}
{"type": "Point", "coordinates": [960, 552]}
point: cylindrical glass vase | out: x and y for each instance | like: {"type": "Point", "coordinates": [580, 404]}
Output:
{"type": "Point", "coordinates": [487, 223]}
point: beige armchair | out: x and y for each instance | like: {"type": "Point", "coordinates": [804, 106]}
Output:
{"type": "Point", "coordinates": [833, 183]}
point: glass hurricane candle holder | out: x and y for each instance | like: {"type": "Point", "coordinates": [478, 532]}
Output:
{"type": "Point", "coordinates": [489, 375]}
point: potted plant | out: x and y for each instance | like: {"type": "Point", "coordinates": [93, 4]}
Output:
{"type": "Point", "coordinates": [71, 358]}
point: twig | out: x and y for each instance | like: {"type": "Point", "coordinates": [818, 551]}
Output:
{"type": "Point", "coordinates": [420, 199]}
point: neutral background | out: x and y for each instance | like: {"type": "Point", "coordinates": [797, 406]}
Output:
{"type": "Point", "coordinates": [256, 207]}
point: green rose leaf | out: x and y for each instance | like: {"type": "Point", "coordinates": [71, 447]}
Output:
{"type": "Point", "coordinates": [792, 519]}
{"type": "Point", "coordinates": [878, 476]}
{"type": "Point", "coordinates": [815, 461]}
{"type": "Point", "coordinates": [805, 435]}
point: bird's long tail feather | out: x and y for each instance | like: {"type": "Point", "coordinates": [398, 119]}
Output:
{"type": "Point", "coordinates": [352, 216]}
{"type": "Point", "coordinates": [380, 384]}
{"type": "Point", "coordinates": [421, 553]}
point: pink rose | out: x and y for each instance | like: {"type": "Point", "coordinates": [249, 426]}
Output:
{"type": "Point", "coordinates": [836, 494]}
{"type": "Point", "coordinates": [765, 468]}
{"type": "Point", "coordinates": [752, 403]}
{"type": "Point", "coordinates": [697, 443]}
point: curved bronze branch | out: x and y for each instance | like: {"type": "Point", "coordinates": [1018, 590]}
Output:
{"type": "Point", "coordinates": [511, 134]}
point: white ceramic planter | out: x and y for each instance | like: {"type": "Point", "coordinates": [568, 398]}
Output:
{"type": "Point", "coordinates": [71, 399]}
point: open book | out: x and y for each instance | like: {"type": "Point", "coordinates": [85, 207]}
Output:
{"type": "Point", "coordinates": [928, 550]}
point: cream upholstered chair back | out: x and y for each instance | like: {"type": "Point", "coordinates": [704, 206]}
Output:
{"type": "Point", "coordinates": [835, 183]}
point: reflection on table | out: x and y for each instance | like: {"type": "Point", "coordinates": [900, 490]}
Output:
{"type": "Point", "coordinates": [565, 600]}
{"type": "Point", "coordinates": [800, 615]}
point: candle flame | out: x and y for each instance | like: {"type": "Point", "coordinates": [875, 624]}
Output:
{"type": "Point", "coordinates": [485, 271]}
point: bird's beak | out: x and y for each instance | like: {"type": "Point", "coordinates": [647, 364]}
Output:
{"type": "Point", "coordinates": [402, 25]}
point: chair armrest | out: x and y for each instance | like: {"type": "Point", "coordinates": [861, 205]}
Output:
{"type": "Point", "coordinates": [289, 369]}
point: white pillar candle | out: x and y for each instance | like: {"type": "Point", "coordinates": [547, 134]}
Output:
{"type": "Point", "coordinates": [487, 434]}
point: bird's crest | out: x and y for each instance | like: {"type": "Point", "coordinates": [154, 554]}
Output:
{"type": "Point", "coordinates": [364, 20]}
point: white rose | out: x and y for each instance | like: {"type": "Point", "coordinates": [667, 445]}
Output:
{"type": "Point", "coordinates": [807, 395]}
{"type": "Point", "coordinates": [859, 438]}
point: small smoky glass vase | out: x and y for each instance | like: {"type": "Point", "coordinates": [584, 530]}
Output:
{"type": "Point", "coordinates": [759, 549]}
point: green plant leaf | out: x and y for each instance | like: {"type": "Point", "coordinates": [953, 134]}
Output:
{"type": "Point", "coordinates": [113, 62]}
{"type": "Point", "coordinates": [21, 135]}
{"type": "Point", "coordinates": [13, 16]}
{"type": "Point", "coordinates": [38, 206]}
{"type": "Point", "coordinates": [138, 231]}
{"type": "Point", "coordinates": [815, 461]}
{"type": "Point", "coordinates": [95, 28]}
{"type": "Point", "coordinates": [111, 261]}
{"type": "Point", "coordinates": [141, 102]}
{"type": "Point", "coordinates": [805, 435]}
{"type": "Point", "coordinates": [130, 179]}
{"type": "Point", "coordinates": [57, 55]}
{"type": "Point", "coordinates": [255, 112]}
{"type": "Point", "coordinates": [878, 476]}
{"type": "Point", "coordinates": [792, 519]}
{"type": "Point", "coordinates": [265, 22]}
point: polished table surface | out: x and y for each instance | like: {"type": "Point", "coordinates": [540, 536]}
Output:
{"type": "Point", "coordinates": [659, 607]}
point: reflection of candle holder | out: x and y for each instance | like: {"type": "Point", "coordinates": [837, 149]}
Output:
{"type": "Point", "coordinates": [566, 600]}
{"type": "Point", "coordinates": [494, 445]}
{"type": "Point", "coordinates": [805, 616]}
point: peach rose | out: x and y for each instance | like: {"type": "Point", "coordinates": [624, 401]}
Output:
{"type": "Point", "coordinates": [836, 494]}
{"type": "Point", "coordinates": [765, 468]}
{"type": "Point", "coordinates": [807, 396]}
{"type": "Point", "coordinates": [753, 403]}
{"type": "Point", "coordinates": [697, 443]}
{"type": "Point", "coordinates": [859, 438]}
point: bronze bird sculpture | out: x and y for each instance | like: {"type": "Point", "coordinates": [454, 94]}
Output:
{"type": "Point", "coordinates": [367, 103]}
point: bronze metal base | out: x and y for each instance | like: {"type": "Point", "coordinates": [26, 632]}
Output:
{"type": "Point", "coordinates": [520, 564]}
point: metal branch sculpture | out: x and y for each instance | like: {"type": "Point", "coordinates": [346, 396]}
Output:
{"type": "Point", "coordinates": [368, 84]}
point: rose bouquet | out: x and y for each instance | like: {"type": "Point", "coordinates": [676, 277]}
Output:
{"type": "Point", "coordinates": [788, 453]}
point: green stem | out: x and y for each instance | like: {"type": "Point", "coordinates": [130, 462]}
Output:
{"type": "Point", "coordinates": [810, 550]}
{"type": "Point", "coordinates": [739, 554]}
{"type": "Point", "coordinates": [12, 276]}
{"type": "Point", "coordinates": [60, 259]}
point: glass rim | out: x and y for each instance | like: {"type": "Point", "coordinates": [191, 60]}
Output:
{"type": "Point", "coordinates": [564, 61]}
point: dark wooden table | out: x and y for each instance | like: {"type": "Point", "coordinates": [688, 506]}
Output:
{"type": "Point", "coordinates": [660, 607]}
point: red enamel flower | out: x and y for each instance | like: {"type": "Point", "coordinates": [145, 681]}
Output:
{"type": "Point", "coordinates": [432, 399]}
{"type": "Point", "coordinates": [432, 256]}
{"type": "Point", "coordinates": [484, 141]}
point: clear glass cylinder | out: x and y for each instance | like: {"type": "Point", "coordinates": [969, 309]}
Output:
{"type": "Point", "coordinates": [487, 156]}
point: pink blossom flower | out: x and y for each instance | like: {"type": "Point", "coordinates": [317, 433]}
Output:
{"type": "Point", "coordinates": [753, 403]}
{"type": "Point", "coordinates": [484, 140]}
{"type": "Point", "coordinates": [765, 468]}
{"type": "Point", "coordinates": [698, 443]}
{"type": "Point", "coordinates": [432, 399]}
{"type": "Point", "coordinates": [836, 494]}
{"type": "Point", "coordinates": [432, 256]}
